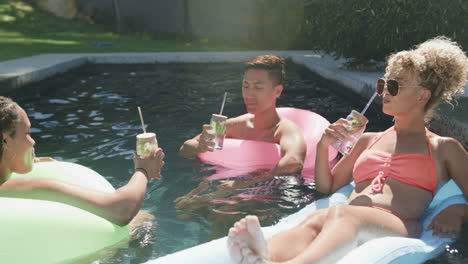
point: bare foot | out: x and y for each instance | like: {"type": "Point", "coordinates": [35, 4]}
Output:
{"type": "Point", "coordinates": [246, 243]}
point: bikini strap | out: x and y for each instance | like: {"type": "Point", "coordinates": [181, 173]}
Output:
{"type": "Point", "coordinates": [380, 135]}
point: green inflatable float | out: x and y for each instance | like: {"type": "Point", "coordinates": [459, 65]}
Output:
{"type": "Point", "coordinates": [36, 231]}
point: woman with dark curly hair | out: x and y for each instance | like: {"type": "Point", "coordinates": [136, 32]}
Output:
{"type": "Point", "coordinates": [17, 155]}
{"type": "Point", "coordinates": [396, 172]}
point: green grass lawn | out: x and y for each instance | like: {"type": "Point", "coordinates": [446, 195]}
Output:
{"type": "Point", "coordinates": [27, 31]}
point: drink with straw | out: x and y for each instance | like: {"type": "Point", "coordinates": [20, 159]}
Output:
{"type": "Point", "coordinates": [355, 127]}
{"type": "Point", "coordinates": [218, 124]}
{"type": "Point", "coordinates": [146, 143]}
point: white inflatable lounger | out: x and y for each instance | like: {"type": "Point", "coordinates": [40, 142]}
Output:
{"type": "Point", "coordinates": [378, 251]}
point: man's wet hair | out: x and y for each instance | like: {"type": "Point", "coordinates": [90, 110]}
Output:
{"type": "Point", "coordinates": [271, 63]}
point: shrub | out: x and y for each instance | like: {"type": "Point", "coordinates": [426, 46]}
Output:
{"type": "Point", "coordinates": [373, 29]}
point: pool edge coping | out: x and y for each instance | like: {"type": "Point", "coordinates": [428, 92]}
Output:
{"type": "Point", "coordinates": [39, 67]}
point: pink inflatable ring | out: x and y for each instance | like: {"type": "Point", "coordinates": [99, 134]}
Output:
{"type": "Point", "coordinates": [251, 155]}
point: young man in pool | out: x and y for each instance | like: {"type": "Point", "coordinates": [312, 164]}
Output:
{"type": "Point", "coordinates": [261, 86]}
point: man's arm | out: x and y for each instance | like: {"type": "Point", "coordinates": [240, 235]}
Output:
{"type": "Point", "coordinates": [200, 143]}
{"type": "Point", "coordinates": [204, 141]}
{"type": "Point", "coordinates": [293, 149]}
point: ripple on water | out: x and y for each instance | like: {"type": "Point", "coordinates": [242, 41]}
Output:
{"type": "Point", "coordinates": [95, 123]}
{"type": "Point", "coordinates": [125, 126]}
{"type": "Point", "coordinates": [49, 124]}
{"type": "Point", "coordinates": [58, 101]}
{"type": "Point", "coordinates": [94, 113]}
{"type": "Point", "coordinates": [35, 130]}
{"type": "Point", "coordinates": [39, 115]}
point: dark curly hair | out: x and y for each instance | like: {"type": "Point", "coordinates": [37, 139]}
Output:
{"type": "Point", "coordinates": [271, 63]}
{"type": "Point", "coordinates": [9, 115]}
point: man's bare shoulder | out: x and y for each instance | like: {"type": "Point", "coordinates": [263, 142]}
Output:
{"type": "Point", "coordinates": [287, 127]}
{"type": "Point", "coordinates": [236, 126]}
{"type": "Point", "coordinates": [238, 120]}
{"type": "Point", "coordinates": [288, 124]}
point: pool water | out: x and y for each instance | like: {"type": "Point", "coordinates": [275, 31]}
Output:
{"type": "Point", "coordinates": [89, 116]}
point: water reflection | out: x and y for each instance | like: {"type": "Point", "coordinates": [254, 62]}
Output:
{"type": "Point", "coordinates": [224, 196]}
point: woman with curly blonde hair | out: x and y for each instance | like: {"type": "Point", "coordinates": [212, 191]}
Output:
{"type": "Point", "coordinates": [396, 172]}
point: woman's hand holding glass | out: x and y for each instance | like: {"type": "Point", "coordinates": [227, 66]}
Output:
{"type": "Point", "coordinates": [150, 165]}
{"type": "Point", "coordinates": [335, 132]}
{"type": "Point", "coordinates": [346, 132]}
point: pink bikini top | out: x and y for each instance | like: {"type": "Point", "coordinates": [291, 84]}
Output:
{"type": "Point", "coordinates": [411, 168]}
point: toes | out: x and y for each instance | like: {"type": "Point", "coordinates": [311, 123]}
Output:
{"type": "Point", "coordinates": [242, 223]}
{"type": "Point", "coordinates": [253, 225]}
{"type": "Point", "coordinates": [251, 218]}
{"type": "Point", "coordinates": [239, 226]}
{"type": "Point", "coordinates": [259, 242]}
{"type": "Point", "coordinates": [232, 232]}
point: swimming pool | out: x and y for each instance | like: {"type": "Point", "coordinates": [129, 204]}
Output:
{"type": "Point", "coordinates": [89, 116]}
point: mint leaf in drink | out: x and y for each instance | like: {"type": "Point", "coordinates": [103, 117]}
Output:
{"type": "Point", "coordinates": [220, 130]}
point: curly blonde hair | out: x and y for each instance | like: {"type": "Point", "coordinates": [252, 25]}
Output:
{"type": "Point", "coordinates": [442, 67]}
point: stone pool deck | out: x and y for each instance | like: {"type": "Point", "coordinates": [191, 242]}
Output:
{"type": "Point", "coordinates": [20, 72]}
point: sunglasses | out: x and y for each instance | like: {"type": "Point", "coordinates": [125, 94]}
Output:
{"type": "Point", "coordinates": [392, 86]}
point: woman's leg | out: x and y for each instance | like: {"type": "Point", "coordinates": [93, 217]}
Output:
{"type": "Point", "coordinates": [296, 238]}
{"type": "Point", "coordinates": [344, 228]}
{"type": "Point", "coordinates": [246, 235]}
